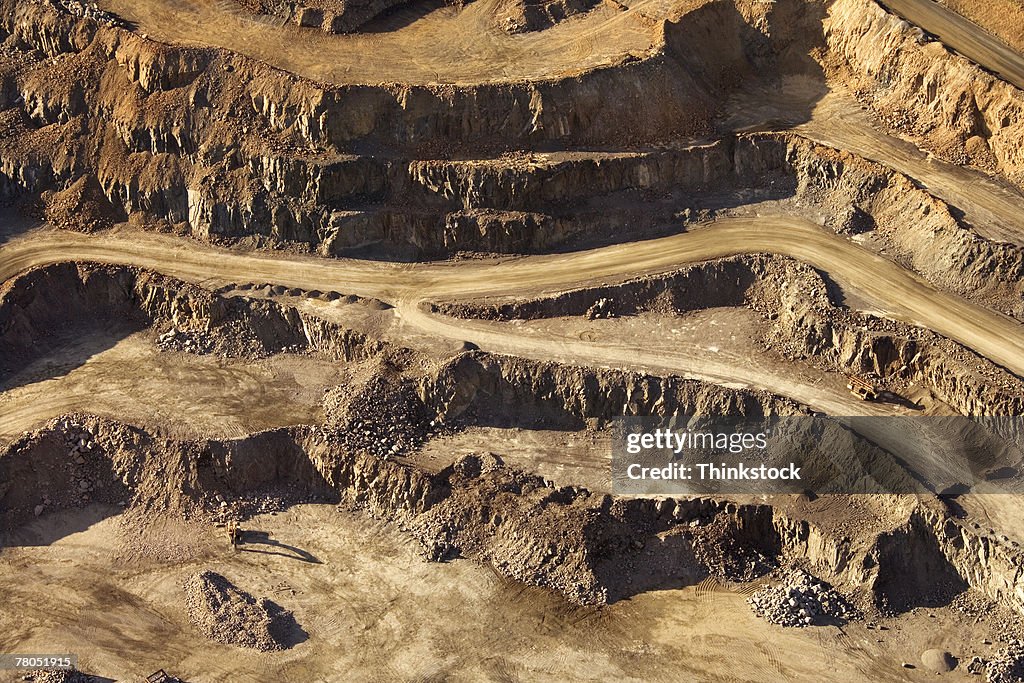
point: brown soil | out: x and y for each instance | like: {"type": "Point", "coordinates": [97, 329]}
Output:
{"type": "Point", "coordinates": [227, 614]}
{"type": "Point", "coordinates": [1002, 18]}
{"type": "Point", "coordinates": [375, 280]}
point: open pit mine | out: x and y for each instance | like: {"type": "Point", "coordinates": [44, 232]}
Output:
{"type": "Point", "coordinates": [323, 324]}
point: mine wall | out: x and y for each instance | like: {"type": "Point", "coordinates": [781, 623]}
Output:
{"type": "Point", "coordinates": [282, 148]}
{"type": "Point", "coordinates": [503, 391]}
{"type": "Point", "coordinates": [567, 539]}
{"type": "Point", "coordinates": [230, 147]}
{"type": "Point", "coordinates": [537, 15]}
{"type": "Point", "coordinates": [802, 321]}
{"type": "Point", "coordinates": [50, 302]}
{"type": "Point", "coordinates": [918, 86]}
{"type": "Point", "coordinates": [580, 544]}
{"type": "Point", "coordinates": [512, 115]}
{"type": "Point", "coordinates": [853, 195]}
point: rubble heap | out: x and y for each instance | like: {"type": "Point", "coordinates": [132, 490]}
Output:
{"type": "Point", "coordinates": [82, 207]}
{"type": "Point", "coordinates": [724, 555]}
{"type": "Point", "coordinates": [227, 614]}
{"type": "Point", "coordinates": [801, 600]}
{"type": "Point", "coordinates": [386, 418]}
{"type": "Point", "coordinates": [1008, 664]}
{"type": "Point", "coordinates": [88, 10]}
{"type": "Point", "coordinates": [59, 676]}
{"type": "Point", "coordinates": [83, 473]}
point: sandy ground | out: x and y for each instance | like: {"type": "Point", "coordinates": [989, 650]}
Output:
{"type": "Point", "coordinates": [375, 611]}
{"type": "Point", "coordinates": [565, 458]}
{"type": "Point", "coordinates": [447, 45]}
{"type": "Point", "coordinates": [189, 396]}
{"type": "Point", "coordinates": [897, 292]}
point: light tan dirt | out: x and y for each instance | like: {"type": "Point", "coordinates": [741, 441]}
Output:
{"type": "Point", "coordinates": [372, 607]}
{"type": "Point", "coordinates": [183, 394]}
{"type": "Point", "coordinates": [900, 293]}
{"type": "Point", "coordinates": [449, 45]}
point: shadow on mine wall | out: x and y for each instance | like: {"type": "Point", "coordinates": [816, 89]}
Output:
{"type": "Point", "coordinates": [59, 307]}
{"type": "Point", "coordinates": [623, 546]}
{"type": "Point", "coordinates": [149, 473]}
{"type": "Point", "coordinates": [720, 49]}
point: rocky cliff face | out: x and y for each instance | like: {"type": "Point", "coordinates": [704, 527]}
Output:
{"type": "Point", "coordinates": [801, 320]}
{"type": "Point", "coordinates": [229, 147]}
{"type": "Point", "coordinates": [163, 127]}
{"type": "Point", "coordinates": [590, 548]}
{"type": "Point", "coordinates": [856, 196]}
{"type": "Point", "coordinates": [493, 390]}
{"type": "Point", "coordinates": [52, 302]}
{"type": "Point", "coordinates": [920, 88]}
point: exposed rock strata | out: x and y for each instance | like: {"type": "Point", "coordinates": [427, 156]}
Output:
{"type": "Point", "coordinates": [582, 545]}
{"type": "Point", "coordinates": [922, 89]}
{"type": "Point", "coordinates": [802, 321]}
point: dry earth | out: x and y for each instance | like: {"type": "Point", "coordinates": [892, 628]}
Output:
{"type": "Point", "coordinates": [374, 280]}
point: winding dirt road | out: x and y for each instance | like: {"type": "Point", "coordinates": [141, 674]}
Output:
{"type": "Point", "coordinates": [992, 207]}
{"type": "Point", "coordinates": [447, 45]}
{"type": "Point", "coordinates": [964, 36]}
{"type": "Point", "coordinates": [898, 292]}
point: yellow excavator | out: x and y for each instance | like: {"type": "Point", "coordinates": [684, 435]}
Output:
{"type": "Point", "coordinates": [861, 388]}
{"type": "Point", "coordinates": [234, 534]}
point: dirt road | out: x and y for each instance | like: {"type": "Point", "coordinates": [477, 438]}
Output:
{"type": "Point", "coordinates": [964, 36]}
{"type": "Point", "coordinates": [898, 292]}
{"type": "Point", "coordinates": [991, 207]}
{"type": "Point", "coordinates": [448, 45]}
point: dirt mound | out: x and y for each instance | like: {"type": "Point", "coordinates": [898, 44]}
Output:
{"type": "Point", "coordinates": [1008, 664]}
{"type": "Point", "coordinates": [87, 10]}
{"type": "Point", "coordinates": [725, 552]}
{"type": "Point", "coordinates": [520, 16]}
{"type": "Point", "coordinates": [801, 600]}
{"type": "Point", "coordinates": [228, 614]}
{"type": "Point", "coordinates": [82, 207]}
{"type": "Point", "coordinates": [49, 676]}
{"type": "Point", "coordinates": [938, 660]}
{"type": "Point", "coordinates": [383, 417]}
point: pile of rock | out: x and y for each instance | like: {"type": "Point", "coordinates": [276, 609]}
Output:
{"type": "Point", "coordinates": [272, 502]}
{"type": "Point", "coordinates": [88, 10]}
{"type": "Point", "coordinates": [801, 600]}
{"type": "Point", "coordinates": [88, 476]}
{"type": "Point", "coordinates": [720, 549]}
{"type": "Point", "coordinates": [187, 342]}
{"type": "Point", "coordinates": [82, 206]}
{"type": "Point", "coordinates": [386, 418]}
{"type": "Point", "coordinates": [1008, 664]}
{"type": "Point", "coordinates": [59, 676]}
{"type": "Point", "coordinates": [228, 614]}
{"type": "Point", "coordinates": [602, 308]}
